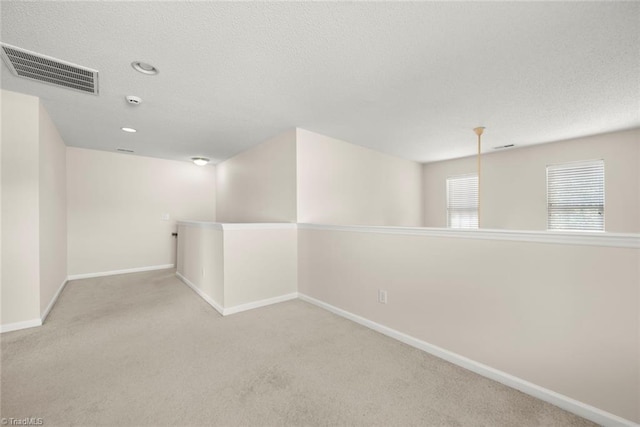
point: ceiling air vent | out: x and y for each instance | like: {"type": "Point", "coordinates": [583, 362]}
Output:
{"type": "Point", "coordinates": [34, 66]}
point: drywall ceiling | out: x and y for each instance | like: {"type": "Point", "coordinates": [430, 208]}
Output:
{"type": "Point", "coordinates": [409, 79]}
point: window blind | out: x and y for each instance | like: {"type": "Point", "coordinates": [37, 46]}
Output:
{"type": "Point", "coordinates": [462, 201]}
{"type": "Point", "coordinates": [575, 196]}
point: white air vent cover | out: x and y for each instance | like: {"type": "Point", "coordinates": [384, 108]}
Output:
{"type": "Point", "coordinates": [34, 66]}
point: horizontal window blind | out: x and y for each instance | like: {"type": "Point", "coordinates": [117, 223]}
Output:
{"type": "Point", "coordinates": [575, 196]}
{"type": "Point", "coordinates": [462, 201]}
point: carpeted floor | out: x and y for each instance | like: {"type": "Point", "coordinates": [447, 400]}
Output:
{"type": "Point", "coordinates": [143, 349]}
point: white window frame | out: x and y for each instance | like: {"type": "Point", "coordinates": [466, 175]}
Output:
{"type": "Point", "coordinates": [576, 165]}
{"type": "Point", "coordinates": [449, 209]}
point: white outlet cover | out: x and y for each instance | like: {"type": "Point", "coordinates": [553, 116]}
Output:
{"type": "Point", "coordinates": [382, 296]}
{"type": "Point", "coordinates": [165, 217]}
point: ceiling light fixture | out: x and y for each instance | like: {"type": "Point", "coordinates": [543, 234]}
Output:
{"type": "Point", "coordinates": [144, 68]}
{"type": "Point", "coordinates": [133, 100]}
{"type": "Point", "coordinates": [130, 130]}
{"type": "Point", "coordinates": [478, 132]}
{"type": "Point", "coordinates": [200, 161]}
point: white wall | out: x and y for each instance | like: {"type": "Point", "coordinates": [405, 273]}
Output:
{"type": "Point", "coordinates": [259, 185]}
{"type": "Point", "coordinates": [307, 177]}
{"type": "Point", "coordinates": [34, 232]}
{"type": "Point", "coordinates": [343, 183]}
{"type": "Point", "coordinates": [201, 259]}
{"type": "Point", "coordinates": [232, 265]}
{"type": "Point", "coordinates": [115, 204]}
{"type": "Point", "coordinates": [1, 138]}
{"type": "Point", "coordinates": [514, 182]}
{"type": "Point", "coordinates": [53, 210]}
{"type": "Point", "coordinates": [562, 316]}
{"type": "Point", "coordinates": [20, 208]}
{"type": "Point", "coordinates": [259, 264]}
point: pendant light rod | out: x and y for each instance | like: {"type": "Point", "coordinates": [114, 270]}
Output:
{"type": "Point", "coordinates": [478, 132]}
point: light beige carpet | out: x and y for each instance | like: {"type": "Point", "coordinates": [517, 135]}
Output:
{"type": "Point", "coordinates": [143, 349]}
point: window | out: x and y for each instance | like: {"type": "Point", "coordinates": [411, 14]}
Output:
{"type": "Point", "coordinates": [462, 201]}
{"type": "Point", "coordinates": [575, 196]}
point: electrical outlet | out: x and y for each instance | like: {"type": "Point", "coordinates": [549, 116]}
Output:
{"type": "Point", "coordinates": [382, 296]}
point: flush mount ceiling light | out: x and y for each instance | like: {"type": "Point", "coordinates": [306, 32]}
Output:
{"type": "Point", "coordinates": [130, 130]}
{"type": "Point", "coordinates": [200, 161]}
{"type": "Point", "coordinates": [144, 68]}
{"type": "Point", "coordinates": [133, 100]}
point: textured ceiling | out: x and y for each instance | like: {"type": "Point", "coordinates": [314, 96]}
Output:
{"type": "Point", "coordinates": [410, 79]}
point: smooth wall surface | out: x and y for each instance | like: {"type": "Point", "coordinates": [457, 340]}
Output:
{"type": "Point", "coordinates": [115, 204]}
{"type": "Point", "coordinates": [259, 264]}
{"type": "Point", "coordinates": [53, 210]}
{"type": "Point", "coordinates": [201, 259]}
{"type": "Point", "coordinates": [237, 264]}
{"type": "Point", "coordinates": [514, 192]}
{"type": "Point", "coordinates": [1, 137]}
{"type": "Point", "coordinates": [259, 185]}
{"type": "Point", "coordinates": [571, 327]}
{"type": "Point", "coordinates": [343, 183]}
{"type": "Point", "coordinates": [20, 208]}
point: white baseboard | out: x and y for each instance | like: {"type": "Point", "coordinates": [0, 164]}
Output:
{"type": "Point", "coordinates": [114, 272]}
{"type": "Point", "coordinates": [38, 322]}
{"type": "Point", "coordinates": [581, 409]}
{"type": "Point", "coordinates": [53, 301]}
{"type": "Point", "coordinates": [20, 325]}
{"type": "Point", "coordinates": [257, 304]}
{"type": "Point", "coordinates": [238, 308]}
{"type": "Point", "coordinates": [204, 296]}
{"type": "Point", "coordinates": [35, 322]}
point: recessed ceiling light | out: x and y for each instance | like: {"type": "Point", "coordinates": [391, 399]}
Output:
{"type": "Point", "coordinates": [200, 161]}
{"type": "Point", "coordinates": [130, 130]}
{"type": "Point", "coordinates": [144, 68]}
